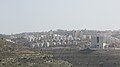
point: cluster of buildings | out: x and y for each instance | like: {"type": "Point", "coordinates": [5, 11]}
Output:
{"type": "Point", "coordinates": [81, 38]}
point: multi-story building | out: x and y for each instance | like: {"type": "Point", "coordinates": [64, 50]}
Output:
{"type": "Point", "coordinates": [98, 41]}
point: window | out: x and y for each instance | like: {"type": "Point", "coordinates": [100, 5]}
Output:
{"type": "Point", "coordinates": [97, 39]}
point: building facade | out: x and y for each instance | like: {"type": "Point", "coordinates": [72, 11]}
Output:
{"type": "Point", "coordinates": [97, 41]}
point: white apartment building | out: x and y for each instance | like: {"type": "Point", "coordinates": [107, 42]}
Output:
{"type": "Point", "coordinates": [98, 41]}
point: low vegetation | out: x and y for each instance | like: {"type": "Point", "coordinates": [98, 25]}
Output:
{"type": "Point", "coordinates": [12, 55]}
{"type": "Point", "coordinates": [88, 57]}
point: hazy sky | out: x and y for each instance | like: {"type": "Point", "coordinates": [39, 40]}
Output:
{"type": "Point", "coordinates": [43, 15]}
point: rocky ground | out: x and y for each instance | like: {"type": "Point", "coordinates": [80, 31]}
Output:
{"type": "Point", "coordinates": [12, 55]}
{"type": "Point", "coordinates": [88, 57]}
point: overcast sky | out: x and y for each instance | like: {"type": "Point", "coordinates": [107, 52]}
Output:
{"type": "Point", "coordinates": [44, 15]}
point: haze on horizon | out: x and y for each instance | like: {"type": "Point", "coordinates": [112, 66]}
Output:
{"type": "Point", "coordinates": [44, 15]}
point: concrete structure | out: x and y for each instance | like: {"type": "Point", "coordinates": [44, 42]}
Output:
{"type": "Point", "coordinates": [98, 41]}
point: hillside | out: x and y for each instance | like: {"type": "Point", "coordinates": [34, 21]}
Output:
{"type": "Point", "coordinates": [88, 57]}
{"type": "Point", "coordinates": [12, 55]}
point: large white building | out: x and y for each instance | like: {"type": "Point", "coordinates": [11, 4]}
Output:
{"type": "Point", "coordinates": [98, 41]}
